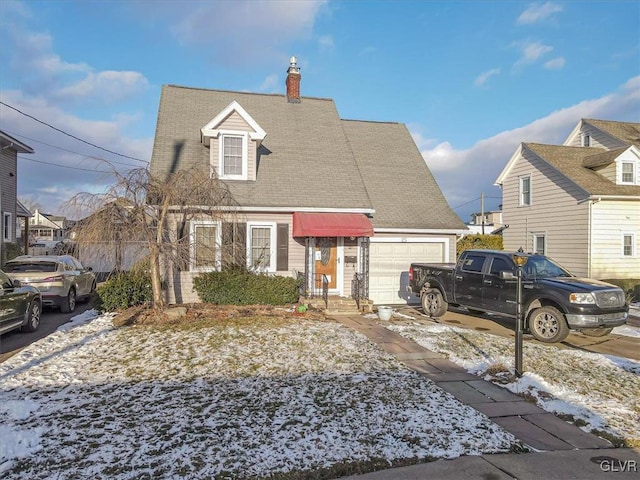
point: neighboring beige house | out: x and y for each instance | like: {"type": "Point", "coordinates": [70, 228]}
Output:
{"type": "Point", "coordinates": [316, 194]}
{"type": "Point", "coordinates": [9, 212]}
{"type": "Point", "coordinates": [580, 202]}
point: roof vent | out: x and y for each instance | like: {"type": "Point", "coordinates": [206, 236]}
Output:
{"type": "Point", "coordinates": [293, 81]}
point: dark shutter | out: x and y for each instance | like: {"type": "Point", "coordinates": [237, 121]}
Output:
{"type": "Point", "coordinates": [182, 249]}
{"type": "Point", "coordinates": [234, 241]}
{"type": "Point", "coordinates": [282, 242]}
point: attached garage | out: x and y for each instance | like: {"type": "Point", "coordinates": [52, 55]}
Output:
{"type": "Point", "coordinates": [389, 261]}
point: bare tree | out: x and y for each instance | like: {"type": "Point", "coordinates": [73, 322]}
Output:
{"type": "Point", "coordinates": [157, 212]}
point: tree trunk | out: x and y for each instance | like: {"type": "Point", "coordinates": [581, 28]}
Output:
{"type": "Point", "coordinates": [156, 280]}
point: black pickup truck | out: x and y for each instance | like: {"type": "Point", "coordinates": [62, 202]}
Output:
{"type": "Point", "coordinates": [553, 300]}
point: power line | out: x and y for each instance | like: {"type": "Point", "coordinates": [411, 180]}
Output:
{"type": "Point", "coordinates": [63, 166]}
{"type": "Point", "coordinates": [67, 150]}
{"type": "Point", "coordinates": [70, 135]}
{"type": "Point", "coordinates": [471, 201]}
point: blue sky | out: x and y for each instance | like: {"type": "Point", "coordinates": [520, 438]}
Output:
{"type": "Point", "coordinates": [470, 79]}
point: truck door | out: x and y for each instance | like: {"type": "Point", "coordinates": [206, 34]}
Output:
{"type": "Point", "coordinates": [500, 294]}
{"type": "Point", "coordinates": [468, 280]}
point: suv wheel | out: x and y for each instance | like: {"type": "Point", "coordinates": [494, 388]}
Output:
{"type": "Point", "coordinates": [69, 305]}
{"type": "Point", "coordinates": [547, 324]}
{"type": "Point", "coordinates": [32, 317]}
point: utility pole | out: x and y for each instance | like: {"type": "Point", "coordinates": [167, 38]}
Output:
{"type": "Point", "coordinates": [482, 210]}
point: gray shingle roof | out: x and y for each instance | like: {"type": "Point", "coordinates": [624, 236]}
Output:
{"type": "Point", "coordinates": [627, 132]}
{"type": "Point", "coordinates": [311, 158]}
{"type": "Point", "coordinates": [569, 161]}
{"type": "Point", "coordinates": [402, 190]}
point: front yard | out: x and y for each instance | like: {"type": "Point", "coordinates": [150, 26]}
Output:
{"type": "Point", "coordinates": [227, 397]}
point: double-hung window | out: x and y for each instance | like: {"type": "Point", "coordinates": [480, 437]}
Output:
{"type": "Point", "coordinates": [525, 191]}
{"type": "Point", "coordinates": [628, 245]}
{"type": "Point", "coordinates": [261, 247]}
{"type": "Point", "coordinates": [540, 243]}
{"type": "Point", "coordinates": [205, 245]}
{"type": "Point", "coordinates": [233, 156]}
{"type": "Point", "coordinates": [6, 227]}
{"type": "Point", "coordinates": [628, 173]}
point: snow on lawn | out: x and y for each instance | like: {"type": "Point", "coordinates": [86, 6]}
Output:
{"type": "Point", "coordinates": [239, 398]}
{"type": "Point", "coordinates": [603, 391]}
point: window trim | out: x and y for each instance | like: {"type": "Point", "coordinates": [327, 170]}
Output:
{"type": "Point", "coordinates": [633, 244]}
{"type": "Point", "coordinates": [245, 154]}
{"type": "Point", "coordinates": [536, 236]}
{"type": "Point", "coordinates": [7, 232]}
{"type": "Point", "coordinates": [633, 172]}
{"type": "Point", "coordinates": [520, 190]}
{"type": "Point", "coordinates": [192, 245]}
{"type": "Point", "coordinates": [273, 236]}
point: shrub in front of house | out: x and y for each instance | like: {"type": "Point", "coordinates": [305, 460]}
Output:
{"type": "Point", "coordinates": [236, 287]}
{"type": "Point", "coordinates": [124, 290]}
{"type": "Point", "coordinates": [484, 242]}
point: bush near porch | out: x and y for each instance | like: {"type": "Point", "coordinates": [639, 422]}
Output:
{"type": "Point", "coordinates": [234, 287]}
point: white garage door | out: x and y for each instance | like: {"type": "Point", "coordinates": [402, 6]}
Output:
{"type": "Point", "coordinates": [389, 264]}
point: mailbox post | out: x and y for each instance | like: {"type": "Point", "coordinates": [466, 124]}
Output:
{"type": "Point", "coordinates": [520, 261]}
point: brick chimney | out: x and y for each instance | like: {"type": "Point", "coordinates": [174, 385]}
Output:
{"type": "Point", "coordinates": [293, 81]}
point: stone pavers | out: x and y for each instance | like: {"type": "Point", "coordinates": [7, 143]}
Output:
{"type": "Point", "coordinates": [532, 425]}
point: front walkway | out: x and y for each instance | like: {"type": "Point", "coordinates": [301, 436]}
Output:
{"type": "Point", "coordinates": [530, 424]}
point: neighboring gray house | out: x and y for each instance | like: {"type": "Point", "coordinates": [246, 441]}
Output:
{"type": "Point", "coordinates": [9, 149]}
{"type": "Point", "coordinates": [316, 194]}
{"type": "Point", "coordinates": [580, 202]}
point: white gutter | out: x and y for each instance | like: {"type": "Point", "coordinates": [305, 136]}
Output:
{"type": "Point", "coordinates": [597, 198]}
{"type": "Point", "coordinates": [439, 231]}
{"type": "Point", "coordinates": [366, 211]}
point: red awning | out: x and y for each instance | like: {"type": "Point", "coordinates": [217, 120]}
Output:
{"type": "Point", "coordinates": [331, 225]}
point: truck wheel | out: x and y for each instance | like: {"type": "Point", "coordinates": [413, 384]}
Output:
{"type": "Point", "coordinates": [547, 324]}
{"type": "Point", "coordinates": [596, 332]}
{"type": "Point", "coordinates": [433, 303]}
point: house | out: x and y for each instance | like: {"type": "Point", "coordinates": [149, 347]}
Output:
{"type": "Point", "coordinates": [486, 223]}
{"type": "Point", "coordinates": [578, 202]}
{"type": "Point", "coordinates": [47, 229]}
{"type": "Point", "coordinates": [316, 194]}
{"type": "Point", "coordinates": [9, 149]}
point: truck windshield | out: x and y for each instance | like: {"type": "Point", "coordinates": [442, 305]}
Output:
{"type": "Point", "coordinates": [538, 266]}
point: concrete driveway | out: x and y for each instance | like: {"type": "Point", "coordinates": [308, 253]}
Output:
{"type": "Point", "coordinates": [621, 346]}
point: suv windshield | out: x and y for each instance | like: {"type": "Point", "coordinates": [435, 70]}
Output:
{"type": "Point", "coordinates": [31, 267]}
{"type": "Point", "coordinates": [538, 266]}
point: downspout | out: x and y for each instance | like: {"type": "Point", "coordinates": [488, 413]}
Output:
{"type": "Point", "coordinates": [589, 240]}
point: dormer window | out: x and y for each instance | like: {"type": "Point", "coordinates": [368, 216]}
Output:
{"type": "Point", "coordinates": [628, 173]}
{"type": "Point", "coordinates": [233, 157]}
{"type": "Point", "coordinates": [233, 138]}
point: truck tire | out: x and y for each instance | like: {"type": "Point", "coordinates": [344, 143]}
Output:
{"type": "Point", "coordinates": [433, 303]}
{"type": "Point", "coordinates": [548, 325]}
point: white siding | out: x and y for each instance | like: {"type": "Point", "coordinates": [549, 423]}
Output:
{"type": "Point", "coordinates": [611, 220]}
{"type": "Point", "coordinates": [555, 211]}
{"type": "Point", "coordinates": [597, 139]}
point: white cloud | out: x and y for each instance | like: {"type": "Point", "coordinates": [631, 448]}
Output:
{"type": "Point", "coordinates": [44, 73]}
{"type": "Point", "coordinates": [235, 32]}
{"type": "Point", "coordinates": [326, 42]}
{"type": "Point", "coordinates": [271, 83]}
{"type": "Point", "coordinates": [464, 174]}
{"type": "Point", "coordinates": [531, 53]}
{"type": "Point", "coordinates": [555, 64]}
{"type": "Point", "coordinates": [483, 77]}
{"type": "Point", "coordinates": [538, 12]}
